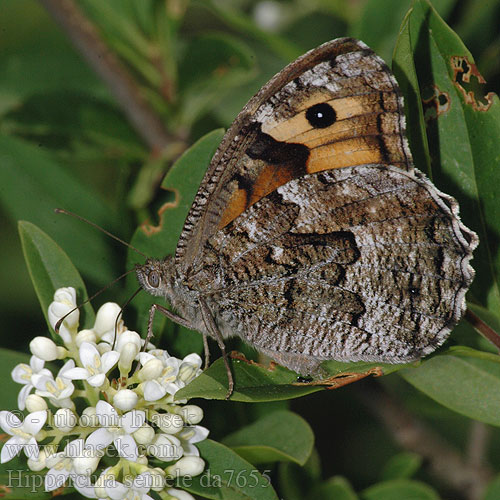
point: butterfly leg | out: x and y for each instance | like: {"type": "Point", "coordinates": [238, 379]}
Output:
{"type": "Point", "coordinates": [206, 350]}
{"type": "Point", "coordinates": [212, 329]}
{"type": "Point", "coordinates": [169, 314]}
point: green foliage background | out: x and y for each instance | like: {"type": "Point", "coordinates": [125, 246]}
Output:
{"type": "Point", "coordinates": [66, 142]}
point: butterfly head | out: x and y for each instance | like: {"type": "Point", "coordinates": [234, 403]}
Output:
{"type": "Point", "coordinates": [155, 275]}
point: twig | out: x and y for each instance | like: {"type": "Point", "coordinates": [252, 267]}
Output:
{"type": "Point", "coordinates": [468, 479]}
{"type": "Point", "coordinates": [87, 39]}
{"type": "Point", "coordinates": [483, 328]}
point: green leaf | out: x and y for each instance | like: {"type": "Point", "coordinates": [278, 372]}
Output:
{"type": "Point", "coordinates": [287, 49]}
{"type": "Point", "coordinates": [402, 466]}
{"type": "Point", "coordinates": [361, 367]}
{"type": "Point", "coordinates": [464, 380]}
{"type": "Point", "coordinates": [256, 383]}
{"type": "Point", "coordinates": [253, 383]}
{"type": "Point", "coordinates": [398, 489]}
{"type": "Point", "coordinates": [213, 63]}
{"type": "Point", "coordinates": [8, 360]}
{"type": "Point", "coordinates": [33, 185]}
{"type": "Point", "coordinates": [378, 24]}
{"type": "Point", "coordinates": [228, 476]}
{"type": "Point", "coordinates": [17, 482]}
{"type": "Point", "coordinates": [181, 184]}
{"type": "Point", "coordinates": [295, 481]}
{"type": "Point", "coordinates": [463, 125]}
{"type": "Point", "coordinates": [492, 491]}
{"type": "Point", "coordinates": [75, 124]}
{"type": "Point", "coordinates": [281, 435]}
{"type": "Point", "coordinates": [335, 488]}
{"type": "Point", "coordinates": [404, 69]}
{"type": "Point", "coordinates": [50, 269]}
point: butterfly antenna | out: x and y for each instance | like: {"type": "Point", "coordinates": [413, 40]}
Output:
{"type": "Point", "coordinates": [127, 302]}
{"type": "Point", "coordinates": [59, 322]}
{"type": "Point", "coordinates": [93, 224]}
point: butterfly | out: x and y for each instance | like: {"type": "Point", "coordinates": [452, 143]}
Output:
{"type": "Point", "coordinates": [312, 235]}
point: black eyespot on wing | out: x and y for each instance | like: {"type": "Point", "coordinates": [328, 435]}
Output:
{"type": "Point", "coordinates": [321, 115]}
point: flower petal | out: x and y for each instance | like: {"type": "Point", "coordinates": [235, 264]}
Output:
{"type": "Point", "coordinates": [153, 390]}
{"type": "Point", "coordinates": [116, 490]}
{"type": "Point", "coordinates": [55, 478]}
{"type": "Point", "coordinates": [9, 421]}
{"type": "Point", "coordinates": [126, 447]}
{"type": "Point", "coordinates": [108, 360]}
{"type": "Point", "coordinates": [77, 374]}
{"type": "Point", "coordinates": [97, 380]}
{"type": "Point", "coordinates": [31, 449]}
{"type": "Point", "coordinates": [99, 439]}
{"type": "Point", "coordinates": [23, 394]}
{"type": "Point", "coordinates": [10, 449]}
{"type": "Point", "coordinates": [106, 414]}
{"type": "Point", "coordinates": [83, 484]}
{"type": "Point", "coordinates": [21, 373]}
{"type": "Point", "coordinates": [34, 422]}
{"type": "Point", "coordinates": [143, 482]}
{"type": "Point", "coordinates": [133, 420]}
{"type": "Point", "coordinates": [194, 433]}
{"type": "Point", "coordinates": [88, 354]}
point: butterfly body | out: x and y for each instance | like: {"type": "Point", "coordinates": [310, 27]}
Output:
{"type": "Point", "coordinates": [312, 236]}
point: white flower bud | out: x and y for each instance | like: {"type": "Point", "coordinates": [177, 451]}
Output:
{"type": "Point", "coordinates": [158, 479]}
{"type": "Point", "coordinates": [64, 302]}
{"type": "Point", "coordinates": [168, 423]}
{"type": "Point", "coordinates": [38, 464]}
{"type": "Point", "coordinates": [64, 419]}
{"type": "Point", "coordinates": [145, 434]}
{"type": "Point", "coordinates": [44, 348]}
{"type": "Point", "coordinates": [186, 466]}
{"type": "Point", "coordinates": [128, 337]}
{"type": "Point", "coordinates": [152, 369]}
{"type": "Point", "coordinates": [100, 485]}
{"type": "Point", "coordinates": [85, 336]}
{"type": "Point", "coordinates": [166, 447]}
{"type": "Point", "coordinates": [190, 367]}
{"type": "Point", "coordinates": [103, 347]}
{"type": "Point", "coordinates": [125, 399]}
{"type": "Point", "coordinates": [179, 494]}
{"type": "Point", "coordinates": [35, 403]}
{"type": "Point", "coordinates": [87, 463]}
{"type": "Point", "coordinates": [89, 417]}
{"type": "Point", "coordinates": [191, 414]}
{"type": "Point", "coordinates": [128, 353]}
{"type": "Point", "coordinates": [142, 460]}
{"type": "Point", "coordinates": [106, 318]}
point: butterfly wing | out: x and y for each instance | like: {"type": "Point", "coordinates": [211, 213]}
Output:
{"type": "Point", "coordinates": [312, 236]}
{"type": "Point", "coordinates": [360, 263]}
{"type": "Point", "coordinates": [338, 105]}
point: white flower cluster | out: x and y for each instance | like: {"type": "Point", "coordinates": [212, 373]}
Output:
{"type": "Point", "coordinates": [128, 426]}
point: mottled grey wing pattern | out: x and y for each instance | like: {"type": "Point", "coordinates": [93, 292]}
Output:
{"type": "Point", "coordinates": [311, 236]}
{"type": "Point", "coordinates": [363, 263]}
{"type": "Point", "coordinates": [271, 141]}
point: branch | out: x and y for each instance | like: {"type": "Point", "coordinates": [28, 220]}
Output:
{"type": "Point", "coordinates": [467, 478]}
{"type": "Point", "coordinates": [483, 328]}
{"type": "Point", "coordinates": [87, 39]}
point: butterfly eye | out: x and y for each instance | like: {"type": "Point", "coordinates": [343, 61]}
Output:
{"type": "Point", "coordinates": [154, 279]}
{"type": "Point", "coordinates": [321, 115]}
